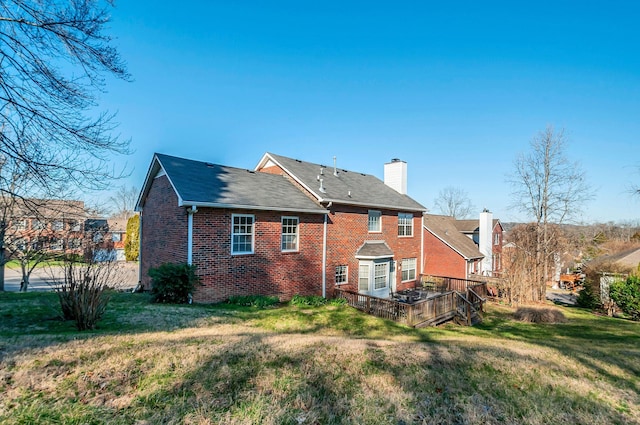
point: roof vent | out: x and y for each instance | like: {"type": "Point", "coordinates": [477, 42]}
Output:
{"type": "Point", "coordinates": [322, 189]}
{"type": "Point", "coordinates": [335, 169]}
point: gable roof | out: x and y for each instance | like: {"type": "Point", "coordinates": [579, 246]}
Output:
{"type": "Point", "coordinates": [444, 228]}
{"type": "Point", "coordinates": [629, 259]}
{"type": "Point", "coordinates": [347, 187]}
{"type": "Point", "coordinates": [374, 250]}
{"type": "Point", "coordinates": [203, 184]}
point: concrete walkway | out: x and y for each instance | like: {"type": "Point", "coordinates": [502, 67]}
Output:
{"type": "Point", "coordinates": [125, 277]}
{"type": "Point", "coordinates": [562, 296]}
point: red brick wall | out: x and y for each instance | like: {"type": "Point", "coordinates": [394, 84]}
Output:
{"type": "Point", "coordinates": [268, 271]}
{"type": "Point", "coordinates": [164, 229]}
{"type": "Point", "coordinates": [497, 251]}
{"type": "Point", "coordinates": [441, 260]}
{"type": "Point", "coordinates": [348, 230]}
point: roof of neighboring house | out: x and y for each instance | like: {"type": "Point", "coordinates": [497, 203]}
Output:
{"type": "Point", "coordinates": [43, 208]}
{"type": "Point", "coordinates": [204, 184]}
{"type": "Point", "coordinates": [374, 249]}
{"type": "Point", "coordinates": [444, 228]}
{"type": "Point", "coordinates": [347, 187]}
{"type": "Point", "coordinates": [471, 226]}
{"type": "Point", "coordinates": [629, 258]}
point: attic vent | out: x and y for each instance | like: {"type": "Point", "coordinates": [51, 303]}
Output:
{"type": "Point", "coordinates": [208, 164]}
{"type": "Point", "coordinates": [297, 160]}
{"type": "Point", "coordinates": [322, 189]}
{"type": "Point", "coordinates": [251, 171]}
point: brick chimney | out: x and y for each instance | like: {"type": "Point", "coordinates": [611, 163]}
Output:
{"type": "Point", "coordinates": [395, 175]}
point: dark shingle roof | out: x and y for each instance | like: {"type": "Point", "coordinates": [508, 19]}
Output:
{"type": "Point", "coordinates": [210, 185]}
{"type": "Point", "coordinates": [348, 187]}
{"type": "Point", "coordinates": [374, 249]}
{"type": "Point", "coordinates": [444, 228]}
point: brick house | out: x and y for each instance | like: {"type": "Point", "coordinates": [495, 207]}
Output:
{"type": "Point", "coordinates": [287, 227]}
{"type": "Point", "coordinates": [448, 252]}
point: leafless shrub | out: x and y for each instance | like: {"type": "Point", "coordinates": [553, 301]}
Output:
{"type": "Point", "coordinates": [84, 292]}
{"type": "Point", "coordinates": [539, 315]}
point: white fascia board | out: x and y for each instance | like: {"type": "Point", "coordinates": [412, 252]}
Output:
{"type": "Point", "coordinates": [154, 168]}
{"type": "Point", "coordinates": [373, 257]}
{"type": "Point", "coordinates": [450, 246]}
{"type": "Point", "coordinates": [250, 207]}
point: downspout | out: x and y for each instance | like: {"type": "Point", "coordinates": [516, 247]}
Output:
{"type": "Point", "coordinates": [422, 244]}
{"type": "Point", "coordinates": [190, 211]}
{"type": "Point", "coordinates": [139, 286]}
{"type": "Point", "coordinates": [324, 257]}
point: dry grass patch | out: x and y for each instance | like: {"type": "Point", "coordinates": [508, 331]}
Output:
{"type": "Point", "coordinates": [539, 315]}
{"type": "Point", "coordinates": [323, 365]}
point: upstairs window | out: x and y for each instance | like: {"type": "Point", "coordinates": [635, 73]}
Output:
{"type": "Point", "coordinates": [58, 225]}
{"type": "Point", "coordinates": [375, 221]}
{"type": "Point", "coordinates": [242, 233]}
{"type": "Point", "coordinates": [496, 238]}
{"type": "Point", "coordinates": [405, 224]}
{"type": "Point", "coordinates": [289, 234]}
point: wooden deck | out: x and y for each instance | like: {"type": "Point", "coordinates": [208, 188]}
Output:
{"type": "Point", "coordinates": [446, 304]}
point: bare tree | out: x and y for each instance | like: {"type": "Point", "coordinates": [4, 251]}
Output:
{"type": "Point", "coordinates": [123, 201]}
{"type": "Point", "coordinates": [550, 189]}
{"type": "Point", "coordinates": [54, 56]}
{"type": "Point", "coordinates": [454, 202]}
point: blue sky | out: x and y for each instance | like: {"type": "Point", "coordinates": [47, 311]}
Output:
{"type": "Point", "coordinates": [456, 89]}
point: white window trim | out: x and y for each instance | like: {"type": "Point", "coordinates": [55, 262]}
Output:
{"type": "Point", "coordinates": [253, 234]}
{"type": "Point", "coordinates": [379, 213]}
{"type": "Point", "coordinates": [282, 234]}
{"type": "Point", "coordinates": [410, 216]}
{"type": "Point", "coordinates": [346, 274]}
{"type": "Point", "coordinates": [366, 276]}
{"type": "Point", "coordinates": [415, 269]}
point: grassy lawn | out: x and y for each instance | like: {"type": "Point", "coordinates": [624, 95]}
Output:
{"type": "Point", "coordinates": [151, 364]}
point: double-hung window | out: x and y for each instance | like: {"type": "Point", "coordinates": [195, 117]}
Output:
{"type": "Point", "coordinates": [242, 231]}
{"type": "Point", "coordinates": [289, 234]}
{"type": "Point", "coordinates": [375, 221]}
{"type": "Point", "coordinates": [363, 278]}
{"type": "Point", "coordinates": [405, 224]}
{"type": "Point", "coordinates": [408, 269]}
{"type": "Point", "coordinates": [342, 275]}
{"type": "Point", "coordinates": [381, 275]}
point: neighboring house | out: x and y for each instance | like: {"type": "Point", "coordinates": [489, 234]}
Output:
{"type": "Point", "coordinates": [50, 225]}
{"type": "Point", "coordinates": [447, 251]}
{"type": "Point", "coordinates": [487, 234]}
{"type": "Point", "coordinates": [288, 227]}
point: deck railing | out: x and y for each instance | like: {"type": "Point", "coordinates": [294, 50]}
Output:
{"type": "Point", "coordinates": [423, 311]}
{"type": "Point", "coordinates": [456, 296]}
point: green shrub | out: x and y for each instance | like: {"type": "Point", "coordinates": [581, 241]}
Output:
{"type": "Point", "coordinates": [173, 283]}
{"type": "Point", "coordinates": [587, 297]}
{"type": "Point", "coordinates": [626, 295]}
{"type": "Point", "coordinates": [337, 301]}
{"type": "Point", "coordinates": [315, 301]}
{"type": "Point", "coordinates": [309, 300]}
{"type": "Point", "coordinates": [132, 241]}
{"type": "Point", "coordinates": [259, 301]}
